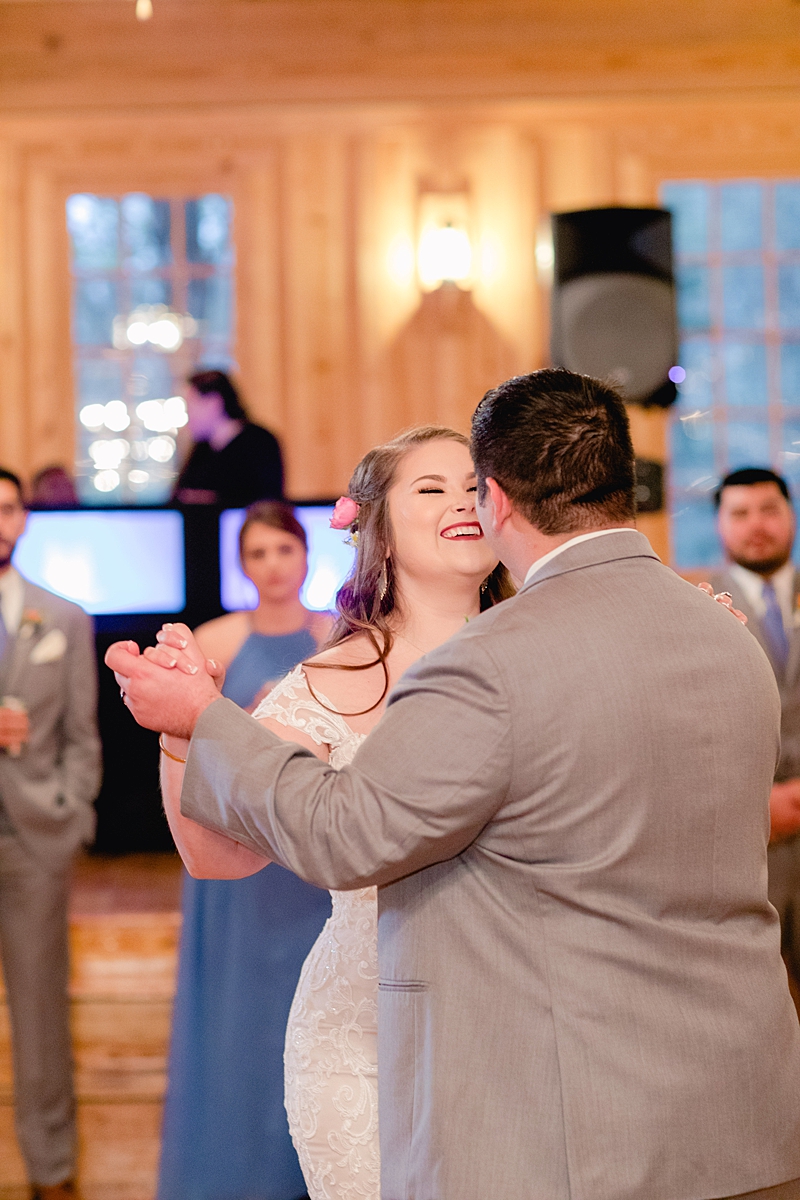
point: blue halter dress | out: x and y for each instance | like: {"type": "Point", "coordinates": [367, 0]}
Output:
{"type": "Point", "coordinates": [243, 943]}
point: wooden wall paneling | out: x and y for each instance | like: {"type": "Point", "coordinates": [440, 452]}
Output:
{"type": "Point", "coordinates": [390, 164]}
{"type": "Point", "coordinates": [578, 166]}
{"type": "Point", "coordinates": [506, 215]}
{"type": "Point", "coordinates": [323, 398]}
{"type": "Point", "coordinates": [212, 52]}
{"type": "Point", "coordinates": [260, 318]}
{"type": "Point", "coordinates": [51, 413]}
{"type": "Point", "coordinates": [13, 433]}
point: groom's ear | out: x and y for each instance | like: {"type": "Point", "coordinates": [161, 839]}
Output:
{"type": "Point", "coordinates": [498, 504]}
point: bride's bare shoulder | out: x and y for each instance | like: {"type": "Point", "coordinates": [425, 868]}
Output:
{"type": "Point", "coordinates": [350, 692]}
{"type": "Point", "coordinates": [353, 651]}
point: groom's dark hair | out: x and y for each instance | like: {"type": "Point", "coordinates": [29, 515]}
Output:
{"type": "Point", "coordinates": [559, 446]}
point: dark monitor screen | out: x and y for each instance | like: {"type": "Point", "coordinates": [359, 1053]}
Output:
{"type": "Point", "coordinates": [108, 561]}
{"type": "Point", "coordinates": [329, 559]}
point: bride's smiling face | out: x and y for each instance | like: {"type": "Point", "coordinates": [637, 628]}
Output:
{"type": "Point", "coordinates": [435, 531]}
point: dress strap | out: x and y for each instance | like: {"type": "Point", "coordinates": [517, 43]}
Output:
{"type": "Point", "coordinates": [291, 704]}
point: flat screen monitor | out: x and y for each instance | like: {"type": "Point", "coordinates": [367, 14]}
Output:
{"type": "Point", "coordinates": [329, 559]}
{"type": "Point", "coordinates": [110, 561]}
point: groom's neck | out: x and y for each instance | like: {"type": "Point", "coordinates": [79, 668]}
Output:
{"type": "Point", "coordinates": [528, 545]}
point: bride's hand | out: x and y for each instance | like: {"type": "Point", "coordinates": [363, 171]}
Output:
{"type": "Point", "coordinates": [725, 599]}
{"type": "Point", "coordinates": [177, 648]}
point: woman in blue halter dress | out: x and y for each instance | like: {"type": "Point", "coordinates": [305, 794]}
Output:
{"type": "Point", "coordinates": [244, 941]}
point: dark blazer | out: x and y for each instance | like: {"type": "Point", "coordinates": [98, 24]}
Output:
{"type": "Point", "coordinates": [50, 665]}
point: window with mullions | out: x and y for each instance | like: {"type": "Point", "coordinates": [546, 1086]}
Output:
{"type": "Point", "coordinates": [152, 301]}
{"type": "Point", "coordinates": [737, 259]}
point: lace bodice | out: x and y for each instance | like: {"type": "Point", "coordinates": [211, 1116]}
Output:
{"type": "Point", "coordinates": [331, 1038]}
{"type": "Point", "coordinates": [291, 703]}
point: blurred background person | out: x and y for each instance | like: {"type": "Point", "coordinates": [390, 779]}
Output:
{"type": "Point", "coordinates": [233, 462]}
{"type": "Point", "coordinates": [756, 523]}
{"type": "Point", "coordinates": [53, 487]}
{"type": "Point", "coordinates": [243, 941]}
{"type": "Point", "coordinates": [49, 776]}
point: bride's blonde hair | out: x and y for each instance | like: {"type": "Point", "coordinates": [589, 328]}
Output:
{"type": "Point", "coordinates": [369, 596]}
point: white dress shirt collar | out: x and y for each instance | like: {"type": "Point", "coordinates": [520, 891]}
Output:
{"type": "Point", "coordinates": [582, 537]}
{"type": "Point", "coordinates": [12, 600]}
{"type": "Point", "coordinates": [752, 585]}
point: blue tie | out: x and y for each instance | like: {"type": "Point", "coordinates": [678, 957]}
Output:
{"type": "Point", "coordinates": [3, 637]}
{"type": "Point", "coordinates": [772, 625]}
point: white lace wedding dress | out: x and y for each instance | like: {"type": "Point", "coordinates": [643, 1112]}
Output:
{"type": "Point", "coordinates": [331, 1054]}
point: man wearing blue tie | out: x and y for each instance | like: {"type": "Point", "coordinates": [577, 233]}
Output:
{"type": "Point", "coordinates": [756, 522]}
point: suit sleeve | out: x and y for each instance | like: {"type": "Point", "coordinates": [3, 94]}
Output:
{"type": "Point", "coordinates": [422, 787]}
{"type": "Point", "coordinates": [80, 761]}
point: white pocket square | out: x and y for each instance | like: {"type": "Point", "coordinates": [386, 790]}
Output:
{"type": "Point", "coordinates": [51, 648]}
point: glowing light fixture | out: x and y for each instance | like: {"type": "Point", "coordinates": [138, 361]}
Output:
{"type": "Point", "coordinates": [116, 416]}
{"type": "Point", "coordinates": [161, 449]}
{"type": "Point", "coordinates": [92, 416]}
{"type": "Point", "coordinates": [107, 455]}
{"type": "Point", "coordinates": [144, 10]}
{"type": "Point", "coordinates": [160, 416]}
{"type": "Point", "coordinates": [106, 481]}
{"type": "Point", "coordinates": [545, 253]}
{"type": "Point", "coordinates": [444, 248]}
{"type": "Point", "coordinates": [153, 323]}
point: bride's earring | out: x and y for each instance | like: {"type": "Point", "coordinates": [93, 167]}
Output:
{"type": "Point", "coordinates": [484, 585]}
{"type": "Point", "coordinates": [383, 582]}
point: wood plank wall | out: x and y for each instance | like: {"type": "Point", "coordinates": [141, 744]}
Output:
{"type": "Point", "coordinates": [337, 345]}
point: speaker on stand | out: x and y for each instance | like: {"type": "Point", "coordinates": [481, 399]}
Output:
{"type": "Point", "coordinates": [613, 312]}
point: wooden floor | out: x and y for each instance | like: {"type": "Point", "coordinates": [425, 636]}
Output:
{"type": "Point", "coordinates": [125, 921]}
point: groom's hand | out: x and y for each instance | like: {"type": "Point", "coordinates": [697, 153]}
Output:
{"type": "Point", "coordinates": [169, 701]}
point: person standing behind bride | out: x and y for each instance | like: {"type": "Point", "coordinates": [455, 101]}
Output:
{"type": "Point", "coordinates": [423, 568]}
{"type": "Point", "coordinates": [243, 941]}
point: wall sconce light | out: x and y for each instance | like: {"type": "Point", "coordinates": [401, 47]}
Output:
{"type": "Point", "coordinates": [144, 10]}
{"type": "Point", "coordinates": [545, 252]}
{"type": "Point", "coordinates": [444, 248]}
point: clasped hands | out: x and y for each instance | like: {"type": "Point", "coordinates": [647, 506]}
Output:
{"type": "Point", "coordinates": [169, 685]}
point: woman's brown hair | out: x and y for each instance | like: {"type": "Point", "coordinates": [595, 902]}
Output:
{"type": "Point", "coordinates": [368, 597]}
{"type": "Point", "coordinates": [277, 516]}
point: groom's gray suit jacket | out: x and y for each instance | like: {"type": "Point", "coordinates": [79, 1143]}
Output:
{"type": "Point", "coordinates": [566, 807]}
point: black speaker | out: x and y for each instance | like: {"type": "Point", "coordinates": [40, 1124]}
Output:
{"type": "Point", "coordinates": [613, 303]}
{"type": "Point", "coordinates": [649, 486]}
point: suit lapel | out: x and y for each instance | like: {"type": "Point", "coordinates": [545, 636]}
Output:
{"type": "Point", "coordinates": [727, 583]}
{"type": "Point", "coordinates": [16, 660]}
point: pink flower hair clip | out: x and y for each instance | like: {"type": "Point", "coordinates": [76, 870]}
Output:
{"type": "Point", "coordinates": [344, 513]}
{"type": "Point", "coordinates": [345, 516]}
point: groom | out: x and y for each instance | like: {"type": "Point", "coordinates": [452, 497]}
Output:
{"type": "Point", "coordinates": [566, 809]}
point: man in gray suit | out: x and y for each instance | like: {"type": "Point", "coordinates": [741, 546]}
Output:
{"type": "Point", "coordinates": [757, 524]}
{"type": "Point", "coordinates": [49, 776]}
{"type": "Point", "coordinates": [565, 810]}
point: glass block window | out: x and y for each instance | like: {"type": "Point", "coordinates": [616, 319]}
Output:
{"type": "Point", "coordinates": [152, 301]}
{"type": "Point", "coordinates": [737, 260]}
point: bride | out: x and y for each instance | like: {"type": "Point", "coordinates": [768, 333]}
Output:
{"type": "Point", "coordinates": [422, 569]}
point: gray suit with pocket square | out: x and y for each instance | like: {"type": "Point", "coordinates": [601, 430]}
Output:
{"type": "Point", "coordinates": [46, 814]}
{"type": "Point", "coordinates": [565, 809]}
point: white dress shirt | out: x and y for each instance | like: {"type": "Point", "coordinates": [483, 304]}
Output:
{"type": "Point", "coordinates": [752, 585]}
{"type": "Point", "coordinates": [581, 537]}
{"type": "Point", "coordinates": [12, 600]}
